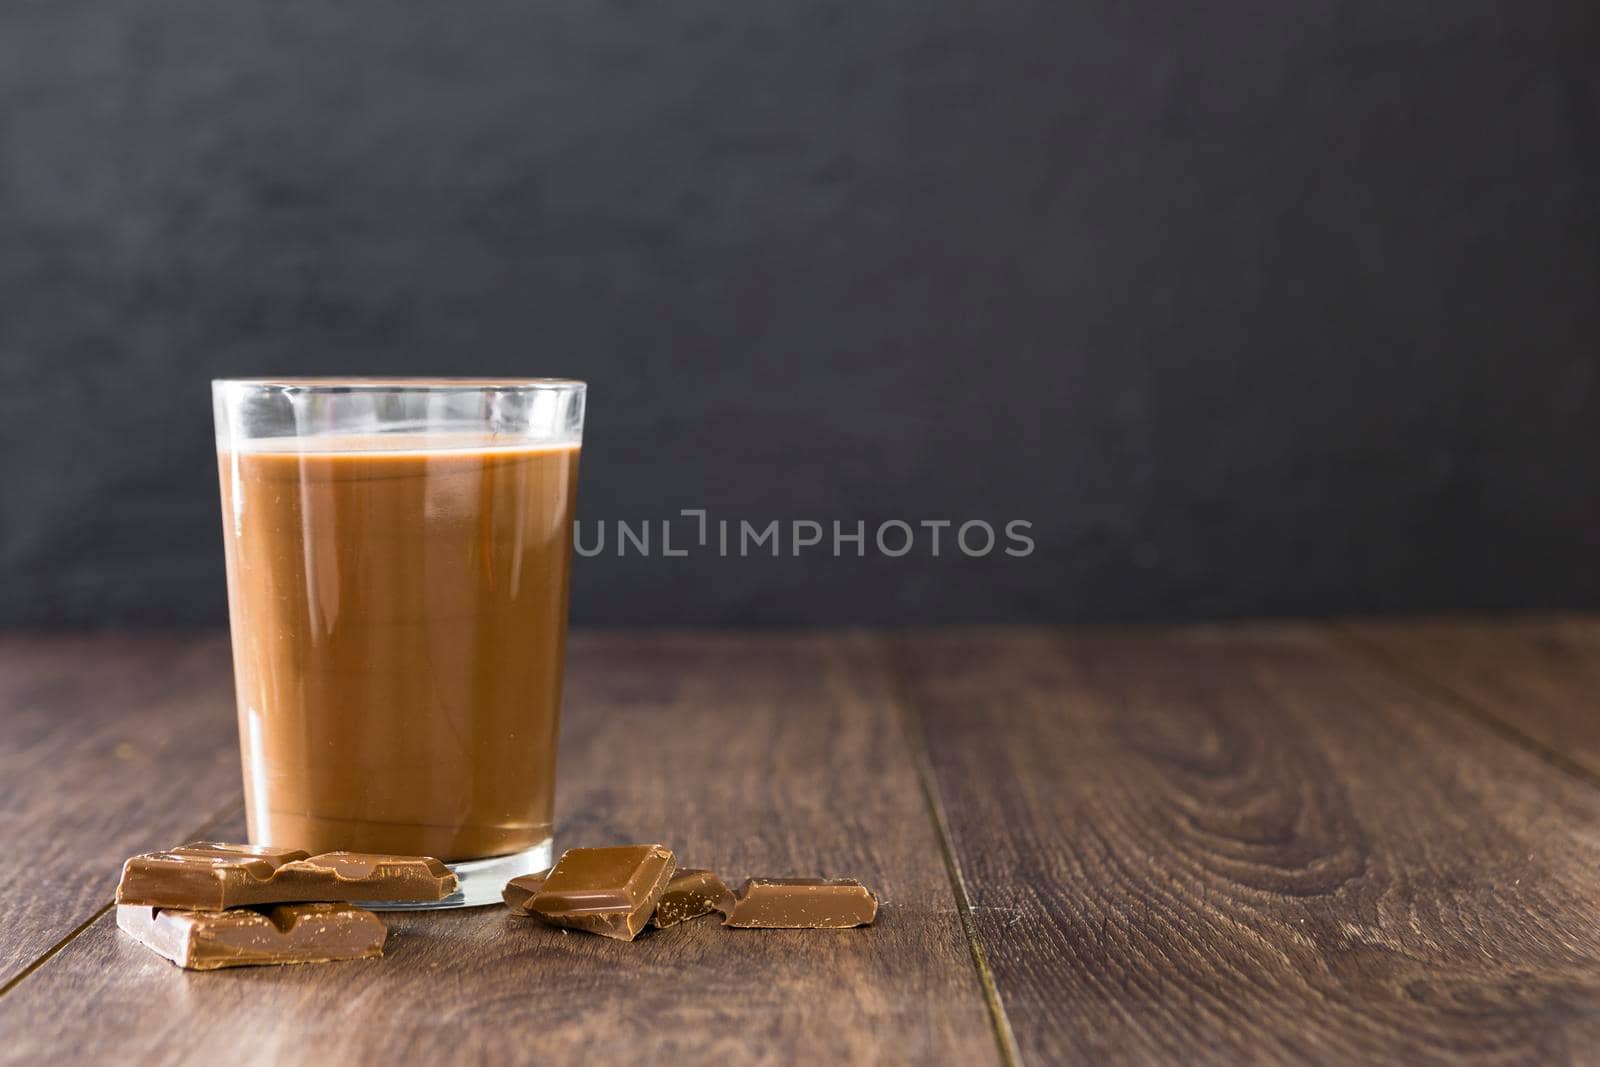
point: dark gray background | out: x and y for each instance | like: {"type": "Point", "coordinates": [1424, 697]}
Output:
{"type": "Point", "coordinates": [1250, 307]}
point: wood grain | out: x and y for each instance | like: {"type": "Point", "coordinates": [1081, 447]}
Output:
{"type": "Point", "coordinates": [1539, 677]}
{"type": "Point", "coordinates": [750, 755]}
{"type": "Point", "coordinates": [1253, 845]}
{"type": "Point", "coordinates": [108, 746]}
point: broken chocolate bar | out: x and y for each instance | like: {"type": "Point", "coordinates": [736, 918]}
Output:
{"type": "Point", "coordinates": [606, 891]}
{"type": "Point", "coordinates": [520, 891]}
{"type": "Point", "coordinates": [691, 893]}
{"type": "Point", "coordinates": [803, 904]}
{"type": "Point", "coordinates": [244, 937]}
{"type": "Point", "coordinates": [211, 876]}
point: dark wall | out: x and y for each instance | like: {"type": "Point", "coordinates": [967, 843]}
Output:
{"type": "Point", "coordinates": [1248, 307]}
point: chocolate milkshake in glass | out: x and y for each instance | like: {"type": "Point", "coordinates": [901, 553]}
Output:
{"type": "Point", "coordinates": [398, 553]}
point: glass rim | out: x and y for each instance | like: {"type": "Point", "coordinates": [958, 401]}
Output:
{"type": "Point", "coordinates": [315, 384]}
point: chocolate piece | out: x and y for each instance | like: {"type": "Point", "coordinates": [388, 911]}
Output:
{"type": "Point", "coordinates": [519, 892]}
{"type": "Point", "coordinates": [606, 891]}
{"type": "Point", "coordinates": [691, 893]}
{"type": "Point", "coordinates": [803, 904]}
{"type": "Point", "coordinates": [211, 876]}
{"type": "Point", "coordinates": [283, 933]}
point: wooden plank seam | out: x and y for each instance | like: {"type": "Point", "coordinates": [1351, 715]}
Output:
{"type": "Point", "coordinates": [1005, 1040]}
{"type": "Point", "coordinates": [1450, 697]}
{"type": "Point", "coordinates": [234, 808]}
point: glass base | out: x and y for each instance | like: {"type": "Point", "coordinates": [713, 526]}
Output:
{"type": "Point", "coordinates": [481, 880]}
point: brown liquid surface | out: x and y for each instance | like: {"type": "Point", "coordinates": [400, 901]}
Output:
{"type": "Point", "coordinates": [399, 622]}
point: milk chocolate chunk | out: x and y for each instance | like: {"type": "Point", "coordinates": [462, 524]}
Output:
{"type": "Point", "coordinates": [803, 904]}
{"type": "Point", "coordinates": [607, 891]}
{"type": "Point", "coordinates": [519, 892]}
{"type": "Point", "coordinates": [691, 893]}
{"type": "Point", "coordinates": [211, 876]}
{"type": "Point", "coordinates": [244, 937]}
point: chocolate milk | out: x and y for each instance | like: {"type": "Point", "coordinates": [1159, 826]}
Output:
{"type": "Point", "coordinates": [399, 611]}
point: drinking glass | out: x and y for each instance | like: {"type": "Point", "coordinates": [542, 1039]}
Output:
{"type": "Point", "coordinates": [398, 553]}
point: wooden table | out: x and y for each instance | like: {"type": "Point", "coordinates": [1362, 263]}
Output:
{"type": "Point", "coordinates": [1338, 843]}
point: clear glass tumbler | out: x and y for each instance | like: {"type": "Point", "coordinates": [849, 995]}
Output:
{"type": "Point", "coordinates": [398, 555]}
